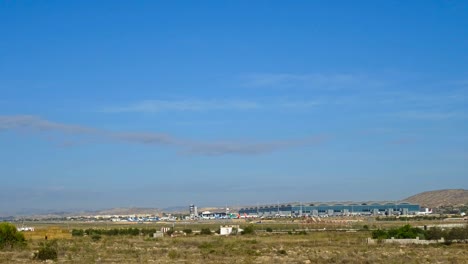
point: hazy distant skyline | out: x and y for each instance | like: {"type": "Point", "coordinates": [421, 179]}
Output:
{"type": "Point", "coordinates": [157, 104]}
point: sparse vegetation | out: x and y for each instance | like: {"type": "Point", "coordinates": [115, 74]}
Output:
{"type": "Point", "coordinates": [313, 246]}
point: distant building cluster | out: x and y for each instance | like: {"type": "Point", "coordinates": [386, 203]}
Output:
{"type": "Point", "coordinates": [208, 215]}
{"type": "Point", "coordinates": [331, 209]}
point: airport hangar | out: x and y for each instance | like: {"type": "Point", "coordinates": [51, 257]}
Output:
{"type": "Point", "coordinates": [332, 209]}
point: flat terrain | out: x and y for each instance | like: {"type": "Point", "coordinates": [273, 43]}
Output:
{"type": "Point", "coordinates": [324, 246]}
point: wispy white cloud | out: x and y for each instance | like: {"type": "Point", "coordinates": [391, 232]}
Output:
{"type": "Point", "coordinates": [34, 123]}
{"type": "Point", "coordinates": [39, 125]}
{"type": "Point", "coordinates": [313, 80]}
{"type": "Point", "coordinates": [305, 104]}
{"type": "Point", "coordinates": [156, 106]}
{"type": "Point", "coordinates": [432, 115]}
{"type": "Point", "coordinates": [226, 147]}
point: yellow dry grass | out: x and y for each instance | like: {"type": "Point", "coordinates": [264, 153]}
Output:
{"type": "Point", "coordinates": [49, 232]}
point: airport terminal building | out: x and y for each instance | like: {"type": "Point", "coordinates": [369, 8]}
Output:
{"type": "Point", "coordinates": [332, 209]}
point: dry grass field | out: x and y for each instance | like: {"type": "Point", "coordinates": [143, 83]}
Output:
{"type": "Point", "coordinates": [313, 247]}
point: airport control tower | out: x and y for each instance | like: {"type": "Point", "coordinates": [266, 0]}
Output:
{"type": "Point", "coordinates": [193, 211]}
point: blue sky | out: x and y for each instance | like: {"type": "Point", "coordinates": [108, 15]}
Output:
{"type": "Point", "coordinates": [154, 104]}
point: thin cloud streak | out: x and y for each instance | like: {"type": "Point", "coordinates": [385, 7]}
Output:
{"type": "Point", "coordinates": [313, 80]}
{"type": "Point", "coordinates": [215, 148]}
{"type": "Point", "coordinates": [157, 106]}
{"type": "Point", "coordinates": [432, 115]}
{"type": "Point", "coordinates": [33, 123]}
{"type": "Point", "coordinates": [154, 106]}
{"type": "Point", "coordinates": [220, 148]}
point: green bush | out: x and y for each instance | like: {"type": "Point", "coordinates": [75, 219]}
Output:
{"type": "Point", "coordinates": [456, 233]}
{"type": "Point", "coordinates": [48, 250]}
{"type": "Point", "coordinates": [248, 230]}
{"type": "Point", "coordinates": [435, 233]}
{"type": "Point", "coordinates": [77, 232]}
{"type": "Point", "coordinates": [403, 232]}
{"type": "Point", "coordinates": [205, 231]}
{"type": "Point", "coordinates": [187, 231]}
{"type": "Point", "coordinates": [269, 229]}
{"type": "Point", "coordinates": [96, 237]}
{"type": "Point", "coordinates": [10, 237]}
{"type": "Point", "coordinates": [379, 234]}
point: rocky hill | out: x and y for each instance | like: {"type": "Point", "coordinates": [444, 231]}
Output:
{"type": "Point", "coordinates": [438, 198]}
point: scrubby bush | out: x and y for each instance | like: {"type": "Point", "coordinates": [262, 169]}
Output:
{"type": "Point", "coordinates": [48, 250]}
{"type": "Point", "coordinates": [405, 231]}
{"type": "Point", "coordinates": [435, 233]}
{"type": "Point", "coordinates": [205, 231]}
{"type": "Point", "coordinates": [96, 237]}
{"type": "Point", "coordinates": [379, 234]}
{"type": "Point", "coordinates": [77, 232]}
{"type": "Point", "coordinates": [112, 232]}
{"type": "Point", "coordinates": [149, 231]}
{"type": "Point", "coordinates": [10, 237]}
{"type": "Point", "coordinates": [453, 234]}
{"type": "Point", "coordinates": [269, 229]}
{"type": "Point", "coordinates": [458, 233]}
{"type": "Point", "coordinates": [187, 231]}
{"type": "Point", "coordinates": [248, 230]}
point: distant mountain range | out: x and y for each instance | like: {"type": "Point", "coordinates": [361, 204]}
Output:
{"type": "Point", "coordinates": [38, 213]}
{"type": "Point", "coordinates": [438, 198]}
{"type": "Point", "coordinates": [431, 199]}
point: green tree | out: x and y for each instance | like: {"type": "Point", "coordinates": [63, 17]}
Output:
{"type": "Point", "coordinates": [10, 237]}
